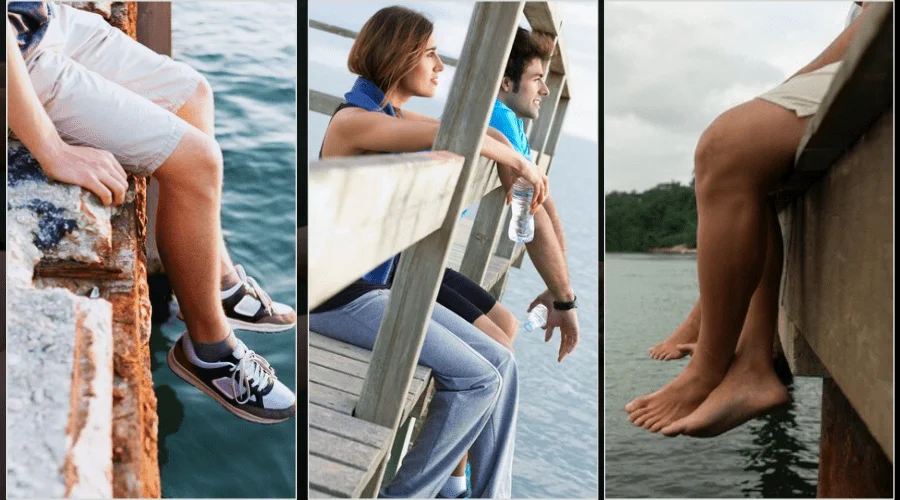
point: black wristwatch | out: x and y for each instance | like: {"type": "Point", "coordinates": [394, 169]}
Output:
{"type": "Point", "coordinates": [566, 305]}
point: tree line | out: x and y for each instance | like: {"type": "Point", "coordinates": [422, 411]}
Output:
{"type": "Point", "coordinates": [663, 216]}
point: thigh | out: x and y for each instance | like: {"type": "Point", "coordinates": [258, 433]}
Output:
{"type": "Point", "coordinates": [88, 39]}
{"type": "Point", "coordinates": [471, 291]}
{"type": "Point", "coordinates": [452, 300]}
{"type": "Point", "coordinates": [754, 143]}
{"type": "Point", "coordinates": [89, 110]}
{"type": "Point", "coordinates": [445, 349]}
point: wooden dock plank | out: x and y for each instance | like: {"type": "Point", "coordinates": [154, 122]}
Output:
{"type": "Point", "coordinates": [355, 353]}
{"type": "Point", "coordinates": [335, 448]}
{"type": "Point", "coordinates": [333, 399]}
{"type": "Point", "coordinates": [336, 479]}
{"type": "Point", "coordinates": [314, 493]}
{"type": "Point", "coordinates": [348, 383]}
{"type": "Point", "coordinates": [346, 426]}
{"type": "Point", "coordinates": [837, 291]}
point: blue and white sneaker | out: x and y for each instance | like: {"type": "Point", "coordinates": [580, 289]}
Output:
{"type": "Point", "coordinates": [243, 382]}
{"type": "Point", "coordinates": [248, 307]}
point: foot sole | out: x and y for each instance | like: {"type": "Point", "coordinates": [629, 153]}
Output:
{"type": "Point", "coordinates": [186, 374]}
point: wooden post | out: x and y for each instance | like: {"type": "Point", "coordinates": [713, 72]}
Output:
{"type": "Point", "coordinates": [851, 462]}
{"type": "Point", "coordinates": [483, 239]}
{"type": "Point", "coordinates": [558, 120]}
{"type": "Point", "coordinates": [154, 30]}
{"type": "Point", "coordinates": [399, 342]}
{"type": "Point", "coordinates": [541, 130]}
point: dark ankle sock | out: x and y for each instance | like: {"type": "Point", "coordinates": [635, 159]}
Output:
{"type": "Point", "coordinates": [216, 350]}
{"type": "Point", "coordinates": [229, 279]}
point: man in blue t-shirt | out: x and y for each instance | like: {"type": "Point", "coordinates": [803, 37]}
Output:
{"type": "Point", "coordinates": [521, 91]}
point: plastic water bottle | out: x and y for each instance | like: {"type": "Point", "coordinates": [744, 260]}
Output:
{"type": "Point", "coordinates": [537, 318]}
{"type": "Point", "coordinates": [521, 225]}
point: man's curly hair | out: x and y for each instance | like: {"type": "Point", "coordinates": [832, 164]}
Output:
{"type": "Point", "coordinates": [526, 46]}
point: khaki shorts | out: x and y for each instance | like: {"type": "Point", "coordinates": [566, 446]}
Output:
{"type": "Point", "coordinates": [804, 93]}
{"type": "Point", "coordinates": [103, 89]}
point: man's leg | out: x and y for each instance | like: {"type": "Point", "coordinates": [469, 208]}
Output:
{"type": "Point", "coordinates": [89, 110]}
{"type": "Point", "coordinates": [190, 182]}
{"type": "Point", "coordinates": [199, 111]}
{"type": "Point", "coordinates": [180, 89]}
{"type": "Point", "coordinates": [738, 159]}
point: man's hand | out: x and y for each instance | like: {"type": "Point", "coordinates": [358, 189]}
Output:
{"type": "Point", "coordinates": [566, 321]}
{"type": "Point", "coordinates": [540, 181]}
{"type": "Point", "coordinates": [96, 170]}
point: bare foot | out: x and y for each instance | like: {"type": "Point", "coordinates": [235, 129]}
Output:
{"type": "Point", "coordinates": [686, 334]}
{"type": "Point", "coordinates": [744, 393]}
{"type": "Point", "coordinates": [673, 401]}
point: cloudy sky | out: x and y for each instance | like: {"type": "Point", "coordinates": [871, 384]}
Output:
{"type": "Point", "coordinates": [328, 55]}
{"type": "Point", "coordinates": [671, 67]}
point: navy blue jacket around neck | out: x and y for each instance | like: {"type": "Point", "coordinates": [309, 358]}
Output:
{"type": "Point", "coordinates": [368, 96]}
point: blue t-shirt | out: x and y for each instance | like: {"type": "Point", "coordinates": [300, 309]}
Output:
{"type": "Point", "coordinates": [505, 120]}
{"type": "Point", "coordinates": [30, 19]}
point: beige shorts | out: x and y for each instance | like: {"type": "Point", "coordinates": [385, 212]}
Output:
{"type": "Point", "coordinates": [103, 89]}
{"type": "Point", "coordinates": [804, 93]}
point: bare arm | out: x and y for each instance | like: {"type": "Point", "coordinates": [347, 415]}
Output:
{"type": "Point", "coordinates": [362, 131]}
{"type": "Point", "coordinates": [836, 50]}
{"type": "Point", "coordinates": [550, 207]}
{"type": "Point", "coordinates": [491, 131]}
{"type": "Point", "coordinates": [95, 170]}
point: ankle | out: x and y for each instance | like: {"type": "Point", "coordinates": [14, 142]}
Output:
{"type": "Point", "coordinates": [229, 279]}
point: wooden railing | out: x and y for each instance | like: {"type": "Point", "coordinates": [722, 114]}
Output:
{"type": "Point", "coordinates": [366, 209]}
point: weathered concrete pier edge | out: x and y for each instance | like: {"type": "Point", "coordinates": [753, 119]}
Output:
{"type": "Point", "coordinates": [363, 403]}
{"type": "Point", "coordinates": [82, 413]}
{"type": "Point", "coordinates": [836, 305]}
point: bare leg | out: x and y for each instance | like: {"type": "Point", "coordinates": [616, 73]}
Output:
{"type": "Point", "coordinates": [675, 347]}
{"type": "Point", "coordinates": [199, 111]}
{"type": "Point", "coordinates": [739, 157]}
{"type": "Point", "coordinates": [505, 320]}
{"type": "Point", "coordinates": [188, 232]}
{"type": "Point", "coordinates": [751, 387]}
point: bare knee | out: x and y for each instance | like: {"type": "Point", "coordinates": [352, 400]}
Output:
{"type": "Point", "coordinates": [204, 92]}
{"type": "Point", "coordinates": [716, 171]}
{"type": "Point", "coordinates": [504, 319]}
{"type": "Point", "coordinates": [195, 167]}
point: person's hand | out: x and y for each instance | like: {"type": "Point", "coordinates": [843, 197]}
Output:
{"type": "Point", "coordinates": [96, 170]}
{"type": "Point", "coordinates": [545, 298]}
{"type": "Point", "coordinates": [529, 171]}
{"type": "Point", "coordinates": [566, 321]}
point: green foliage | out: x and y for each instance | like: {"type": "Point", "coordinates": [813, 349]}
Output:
{"type": "Point", "coordinates": [663, 216]}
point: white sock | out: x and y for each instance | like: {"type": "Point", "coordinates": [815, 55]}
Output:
{"type": "Point", "coordinates": [224, 294]}
{"type": "Point", "coordinates": [454, 486]}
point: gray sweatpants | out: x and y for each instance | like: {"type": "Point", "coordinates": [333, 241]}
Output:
{"type": "Point", "coordinates": [474, 406]}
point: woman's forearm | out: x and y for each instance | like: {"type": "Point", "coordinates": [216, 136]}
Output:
{"type": "Point", "coordinates": [26, 115]}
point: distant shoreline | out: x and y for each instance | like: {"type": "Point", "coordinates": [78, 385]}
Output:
{"type": "Point", "coordinates": [677, 249]}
